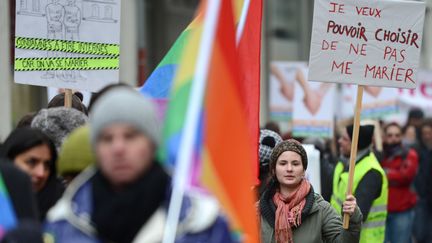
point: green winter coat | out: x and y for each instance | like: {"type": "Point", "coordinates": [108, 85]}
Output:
{"type": "Point", "coordinates": [320, 222]}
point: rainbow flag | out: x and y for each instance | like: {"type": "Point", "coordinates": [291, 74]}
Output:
{"type": "Point", "coordinates": [7, 214]}
{"type": "Point", "coordinates": [249, 49]}
{"type": "Point", "coordinates": [247, 18]}
{"type": "Point", "coordinates": [159, 84]}
{"type": "Point", "coordinates": [222, 154]}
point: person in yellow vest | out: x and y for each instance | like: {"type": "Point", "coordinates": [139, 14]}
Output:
{"type": "Point", "coordinates": [370, 185]}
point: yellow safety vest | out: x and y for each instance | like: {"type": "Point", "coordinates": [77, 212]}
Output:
{"type": "Point", "coordinates": [373, 229]}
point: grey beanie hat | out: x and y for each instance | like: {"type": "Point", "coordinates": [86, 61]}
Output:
{"type": "Point", "coordinates": [58, 122]}
{"type": "Point", "coordinates": [124, 105]}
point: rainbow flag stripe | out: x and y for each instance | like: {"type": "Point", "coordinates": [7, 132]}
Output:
{"type": "Point", "coordinates": [7, 214]}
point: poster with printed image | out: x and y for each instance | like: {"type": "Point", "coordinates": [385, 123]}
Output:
{"type": "Point", "coordinates": [281, 89]}
{"type": "Point", "coordinates": [70, 44]}
{"type": "Point", "coordinates": [378, 102]}
{"type": "Point", "coordinates": [313, 104]}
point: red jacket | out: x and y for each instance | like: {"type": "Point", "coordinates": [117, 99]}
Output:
{"type": "Point", "coordinates": [401, 169]}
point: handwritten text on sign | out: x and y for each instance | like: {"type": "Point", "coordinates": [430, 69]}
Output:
{"type": "Point", "coordinates": [366, 42]}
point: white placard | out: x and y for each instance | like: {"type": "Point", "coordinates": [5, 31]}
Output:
{"type": "Point", "coordinates": [368, 42]}
{"type": "Point", "coordinates": [80, 35]}
{"type": "Point", "coordinates": [313, 172]}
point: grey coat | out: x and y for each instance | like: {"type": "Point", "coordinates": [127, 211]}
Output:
{"type": "Point", "coordinates": [320, 222]}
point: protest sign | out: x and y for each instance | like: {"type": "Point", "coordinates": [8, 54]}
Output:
{"type": "Point", "coordinates": [281, 89]}
{"type": "Point", "coordinates": [70, 44]}
{"type": "Point", "coordinates": [313, 107]}
{"type": "Point", "coordinates": [420, 97]}
{"type": "Point", "coordinates": [313, 173]}
{"type": "Point", "coordinates": [378, 102]}
{"type": "Point", "coordinates": [366, 42]}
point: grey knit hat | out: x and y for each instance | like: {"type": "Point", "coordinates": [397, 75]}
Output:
{"type": "Point", "coordinates": [58, 122]}
{"type": "Point", "coordinates": [289, 145]}
{"type": "Point", "coordinates": [124, 105]}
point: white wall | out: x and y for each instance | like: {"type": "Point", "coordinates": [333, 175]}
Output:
{"type": "Point", "coordinates": [5, 72]}
{"type": "Point", "coordinates": [426, 54]}
{"type": "Point", "coordinates": [129, 42]}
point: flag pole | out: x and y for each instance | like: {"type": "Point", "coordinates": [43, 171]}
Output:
{"type": "Point", "coordinates": [353, 154]}
{"type": "Point", "coordinates": [189, 132]}
{"type": "Point", "coordinates": [242, 22]}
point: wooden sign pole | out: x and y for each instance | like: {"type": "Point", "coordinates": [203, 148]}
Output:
{"type": "Point", "coordinates": [68, 98]}
{"type": "Point", "coordinates": [353, 154]}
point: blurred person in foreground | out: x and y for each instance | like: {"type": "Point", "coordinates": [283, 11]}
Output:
{"type": "Point", "coordinates": [289, 209]}
{"type": "Point", "coordinates": [370, 185]}
{"type": "Point", "coordinates": [76, 154]}
{"type": "Point", "coordinates": [34, 152]}
{"type": "Point", "coordinates": [422, 183]}
{"type": "Point", "coordinates": [400, 165]}
{"type": "Point", "coordinates": [19, 222]}
{"type": "Point", "coordinates": [124, 198]}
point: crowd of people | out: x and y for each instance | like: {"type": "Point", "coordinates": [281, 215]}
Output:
{"type": "Point", "coordinates": [391, 185]}
{"type": "Point", "coordinates": [91, 174]}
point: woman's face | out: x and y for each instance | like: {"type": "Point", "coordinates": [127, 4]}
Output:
{"type": "Point", "coordinates": [36, 163]}
{"type": "Point", "coordinates": [289, 169]}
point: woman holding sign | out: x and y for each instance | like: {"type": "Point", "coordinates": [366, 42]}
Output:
{"type": "Point", "coordinates": [289, 209]}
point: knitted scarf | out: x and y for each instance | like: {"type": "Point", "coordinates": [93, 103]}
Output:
{"type": "Point", "coordinates": [288, 212]}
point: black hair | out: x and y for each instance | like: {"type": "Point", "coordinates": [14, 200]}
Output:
{"type": "Point", "coordinates": [393, 124]}
{"type": "Point", "coordinates": [22, 139]}
{"type": "Point", "coordinates": [77, 98]}
{"type": "Point", "coordinates": [26, 120]}
{"type": "Point", "coordinates": [427, 122]}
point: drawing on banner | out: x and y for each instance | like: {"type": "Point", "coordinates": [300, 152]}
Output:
{"type": "Point", "coordinates": [68, 43]}
{"type": "Point", "coordinates": [54, 15]}
{"type": "Point", "coordinates": [30, 7]}
{"type": "Point", "coordinates": [72, 22]}
{"type": "Point", "coordinates": [100, 11]}
{"type": "Point", "coordinates": [313, 107]}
